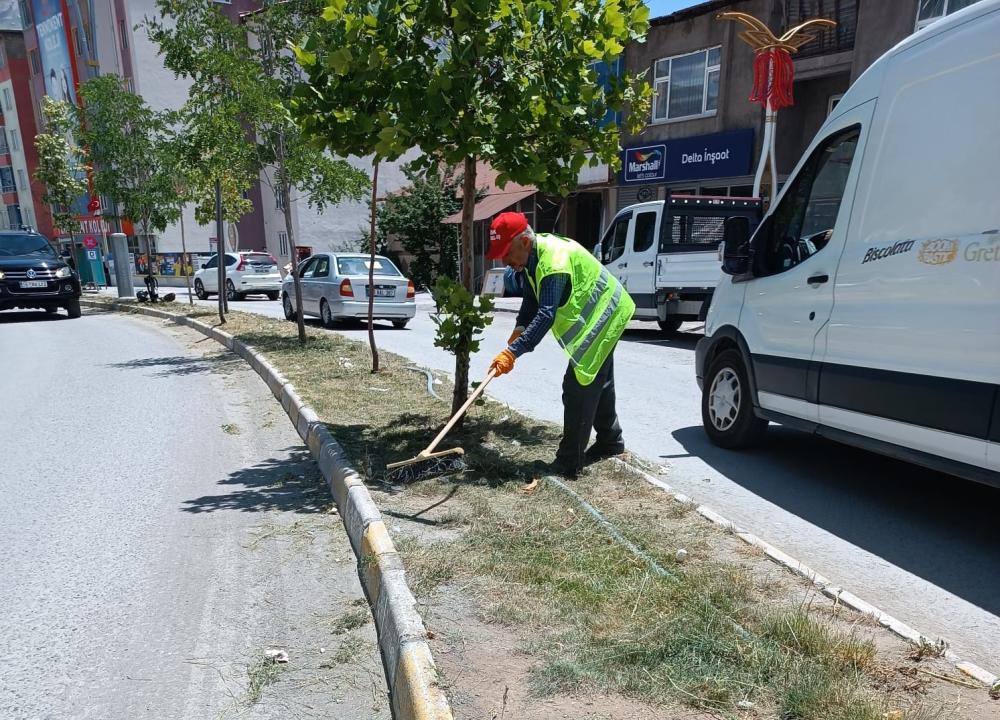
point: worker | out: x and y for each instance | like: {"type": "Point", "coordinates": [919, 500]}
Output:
{"type": "Point", "coordinates": [568, 291]}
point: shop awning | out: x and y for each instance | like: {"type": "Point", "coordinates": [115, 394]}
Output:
{"type": "Point", "coordinates": [490, 205]}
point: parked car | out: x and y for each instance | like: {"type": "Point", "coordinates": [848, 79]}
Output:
{"type": "Point", "coordinates": [247, 273]}
{"type": "Point", "coordinates": [33, 276]}
{"type": "Point", "coordinates": [864, 307]}
{"type": "Point", "coordinates": [335, 287]}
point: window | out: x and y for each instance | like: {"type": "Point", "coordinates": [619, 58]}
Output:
{"type": "Point", "coordinates": [832, 103]}
{"type": "Point", "coordinates": [4, 149]}
{"type": "Point", "coordinates": [804, 220]}
{"type": "Point", "coordinates": [692, 230]}
{"type": "Point", "coordinates": [15, 140]}
{"type": "Point", "coordinates": [129, 86]}
{"type": "Point", "coordinates": [123, 31]}
{"type": "Point", "coordinates": [36, 63]}
{"type": "Point", "coordinates": [3, 55]}
{"type": "Point", "coordinates": [283, 244]}
{"type": "Point", "coordinates": [6, 99]}
{"type": "Point", "coordinates": [78, 42]}
{"type": "Point", "coordinates": [25, 13]}
{"type": "Point", "coordinates": [930, 10]}
{"type": "Point", "coordinates": [306, 268]}
{"type": "Point", "coordinates": [645, 224]}
{"type": "Point", "coordinates": [22, 183]}
{"type": "Point", "coordinates": [28, 218]}
{"type": "Point", "coordinates": [278, 200]}
{"type": "Point", "coordinates": [686, 85]}
{"type": "Point", "coordinates": [14, 216]}
{"type": "Point", "coordinates": [213, 262]}
{"type": "Point", "coordinates": [613, 244]}
{"type": "Point", "coordinates": [231, 260]}
{"type": "Point", "coordinates": [322, 268]}
{"type": "Point", "coordinates": [7, 180]}
{"type": "Point", "coordinates": [359, 266]}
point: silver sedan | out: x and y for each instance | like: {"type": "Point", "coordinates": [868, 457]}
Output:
{"type": "Point", "coordinates": [335, 287]}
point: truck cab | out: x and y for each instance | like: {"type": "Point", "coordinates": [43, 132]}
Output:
{"type": "Point", "coordinates": [666, 253]}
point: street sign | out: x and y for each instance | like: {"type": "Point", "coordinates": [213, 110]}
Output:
{"type": "Point", "coordinates": [90, 242]}
{"type": "Point", "coordinates": [91, 254]}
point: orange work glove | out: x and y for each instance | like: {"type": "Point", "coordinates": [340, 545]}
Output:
{"type": "Point", "coordinates": [515, 335]}
{"type": "Point", "coordinates": [503, 363]}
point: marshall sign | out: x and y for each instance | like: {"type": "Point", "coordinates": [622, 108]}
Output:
{"type": "Point", "coordinates": [725, 154]}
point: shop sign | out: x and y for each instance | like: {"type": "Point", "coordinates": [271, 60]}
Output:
{"type": "Point", "coordinates": [725, 154]}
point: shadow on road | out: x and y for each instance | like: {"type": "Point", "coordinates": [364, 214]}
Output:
{"type": "Point", "coordinates": [650, 334]}
{"type": "Point", "coordinates": [182, 365]}
{"type": "Point", "coordinates": [935, 526]}
{"type": "Point", "coordinates": [290, 484]}
{"type": "Point", "coordinates": [22, 316]}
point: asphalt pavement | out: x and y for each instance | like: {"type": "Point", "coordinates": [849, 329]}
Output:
{"type": "Point", "coordinates": [163, 529]}
{"type": "Point", "coordinates": [920, 545]}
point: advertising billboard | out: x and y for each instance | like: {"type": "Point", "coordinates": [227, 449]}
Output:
{"type": "Point", "coordinates": [724, 154]}
{"type": "Point", "coordinates": [50, 25]}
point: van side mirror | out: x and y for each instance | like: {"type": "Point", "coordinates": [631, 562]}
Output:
{"type": "Point", "coordinates": [736, 246]}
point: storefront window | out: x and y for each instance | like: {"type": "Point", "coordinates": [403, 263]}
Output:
{"type": "Point", "coordinates": [686, 85]}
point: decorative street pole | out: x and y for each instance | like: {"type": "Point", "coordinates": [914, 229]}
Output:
{"type": "Point", "coordinates": [773, 75]}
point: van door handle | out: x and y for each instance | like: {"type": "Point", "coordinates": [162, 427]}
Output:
{"type": "Point", "coordinates": [818, 279]}
{"type": "Point", "coordinates": [621, 265]}
{"type": "Point", "coordinates": [648, 264]}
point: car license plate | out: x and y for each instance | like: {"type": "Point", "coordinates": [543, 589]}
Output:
{"type": "Point", "coordinates": [260, 269]}
{"type": "Point", "coordinates": [34, 284]}
{"type": "Point", "coordinates": [386, 292]}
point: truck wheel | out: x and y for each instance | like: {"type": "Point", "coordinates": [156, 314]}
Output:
{"type": "Point", "coordinates": [73, 308]}
{"type": "Point", "coordinates": [670, 325]}
{"type": "Point", "coordinates": [726, 405]}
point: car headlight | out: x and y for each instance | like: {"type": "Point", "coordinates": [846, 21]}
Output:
{"type": "Point", "coordinates": [63, 272]}
{"type": "Point", "coordinates": [1, 275]}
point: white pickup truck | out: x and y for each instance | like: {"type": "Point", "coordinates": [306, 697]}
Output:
{"type": "Point", "coordinates": [666, 253]}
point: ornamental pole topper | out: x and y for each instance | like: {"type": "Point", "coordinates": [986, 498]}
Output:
{"type": "Point", "coordinates": [773, 76]}
{"type": "Point", "coordinates": [773, 71]}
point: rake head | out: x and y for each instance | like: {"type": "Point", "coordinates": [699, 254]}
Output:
{"type": "Point", "coordinates": [425, 468]}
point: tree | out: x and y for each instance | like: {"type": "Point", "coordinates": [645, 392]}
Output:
{"type": "Point", "coordinates": [129, 146]}
{"type": "Point", "coordinates": [414, 216]}
{"type": "Point", "coordinates": [60, 164]}
{"type": "Point", "coordinates": [510, 82]}
{"type": "Point", "coordinates": [235, 119]}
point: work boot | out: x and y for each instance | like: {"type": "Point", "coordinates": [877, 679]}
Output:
{"type": "Point", "coordinates": [563, 468]}
{"type": "Point", "coordinates": [596, 453]}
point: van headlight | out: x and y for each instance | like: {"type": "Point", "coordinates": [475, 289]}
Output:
{"type": "Point", "coordinates": [63, 272]}
{"type": "Point", "coordinates": [2, 276]}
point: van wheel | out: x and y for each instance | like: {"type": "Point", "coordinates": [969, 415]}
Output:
{"type": "Point", "coordinates": [670, 325]}
{"type": "Point", "coordinates": [726, 405]}
{"type": "Point", "coordinates": [286, 306]}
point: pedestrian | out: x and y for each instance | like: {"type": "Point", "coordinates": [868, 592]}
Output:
{"type": "Point", "coordinates": [568, 291]}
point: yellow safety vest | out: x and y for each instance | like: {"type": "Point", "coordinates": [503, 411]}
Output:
{"type": "Point", "coordinates": [589, 324]}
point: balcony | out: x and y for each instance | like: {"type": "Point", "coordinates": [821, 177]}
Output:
{"type": "Point", "coordinates": [828, 41]}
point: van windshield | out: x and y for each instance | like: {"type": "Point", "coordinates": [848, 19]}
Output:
{"type": "Point", "coordinates": [14, 245]}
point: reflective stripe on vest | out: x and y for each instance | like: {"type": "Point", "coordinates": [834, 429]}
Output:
{"type": "Point", "coordinates": [588, 324]}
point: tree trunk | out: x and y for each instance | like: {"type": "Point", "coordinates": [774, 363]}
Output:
{"type": "Point", "coordinates": [461, 392]}
{"type": "Point", "coordinates": [184, 259]}
{"type": "Point", "coordinates": [284, 190]}
{"type": "Point", "coordinates": [371, 269]}
{"type": "Point", "coordinates": [468, 214]}
{"type": "Point", "coordinates": [221, 270]}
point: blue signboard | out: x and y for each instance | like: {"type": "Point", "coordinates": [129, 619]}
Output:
{"type": "Point", "coordinates": [725, 154]}
{"type": "Point", "coordinates": [54, 50]}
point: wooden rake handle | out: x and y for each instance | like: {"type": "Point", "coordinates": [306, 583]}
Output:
{"type": "Point", "coordinates": [461, 411]}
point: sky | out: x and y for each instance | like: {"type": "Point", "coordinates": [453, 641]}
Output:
{"type": "Point", "coordinates": [665, 7]}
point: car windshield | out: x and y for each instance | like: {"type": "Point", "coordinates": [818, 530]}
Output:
{"type": "Point", "coordinates": [359, 266]}
{"type": "Point", "coordinates": [13, 245]}
{"type": "Point", "coordinates": [259, 259]}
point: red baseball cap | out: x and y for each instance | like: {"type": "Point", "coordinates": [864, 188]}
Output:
{"type": "Point", "coordinates": [504, 228]}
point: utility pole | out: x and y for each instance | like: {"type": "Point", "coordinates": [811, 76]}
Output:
{"type": "Point", "coordinates": [222, 252]}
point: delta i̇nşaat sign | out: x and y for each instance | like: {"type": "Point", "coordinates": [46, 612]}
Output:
{"type": "Point", "coordinates": [725, 154]}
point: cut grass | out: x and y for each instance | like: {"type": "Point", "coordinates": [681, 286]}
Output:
{"type": "Point", "coordinates": [721, 635]}
{"type": "Point", "coordinates": [262, 673]}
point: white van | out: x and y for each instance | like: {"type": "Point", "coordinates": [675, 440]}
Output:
{"type": "Point", "coordinates": [866, 306]}
{"type": "Point", "coordinates": [671, 267]}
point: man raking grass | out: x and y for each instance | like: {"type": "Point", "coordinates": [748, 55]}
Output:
{"type": "Point", "coordinates": [570, 293]}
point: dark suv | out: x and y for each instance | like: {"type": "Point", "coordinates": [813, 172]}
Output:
{"type": "Point", "coordinates": [32, 275]}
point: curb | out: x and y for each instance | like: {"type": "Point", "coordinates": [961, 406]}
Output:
{"type": "Point", "coordinates": [825, 586]}
{"type": "Point", "coordinates": [409, 667]}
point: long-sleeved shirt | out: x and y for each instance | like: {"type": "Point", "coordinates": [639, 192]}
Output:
{"type": "Point", "coordinates": [538, 313]}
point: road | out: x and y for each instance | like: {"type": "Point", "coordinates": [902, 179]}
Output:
{"type": "Point", "coordinates": [920, 545]}
{"type": "Point", "coordinates": [163, 528]}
